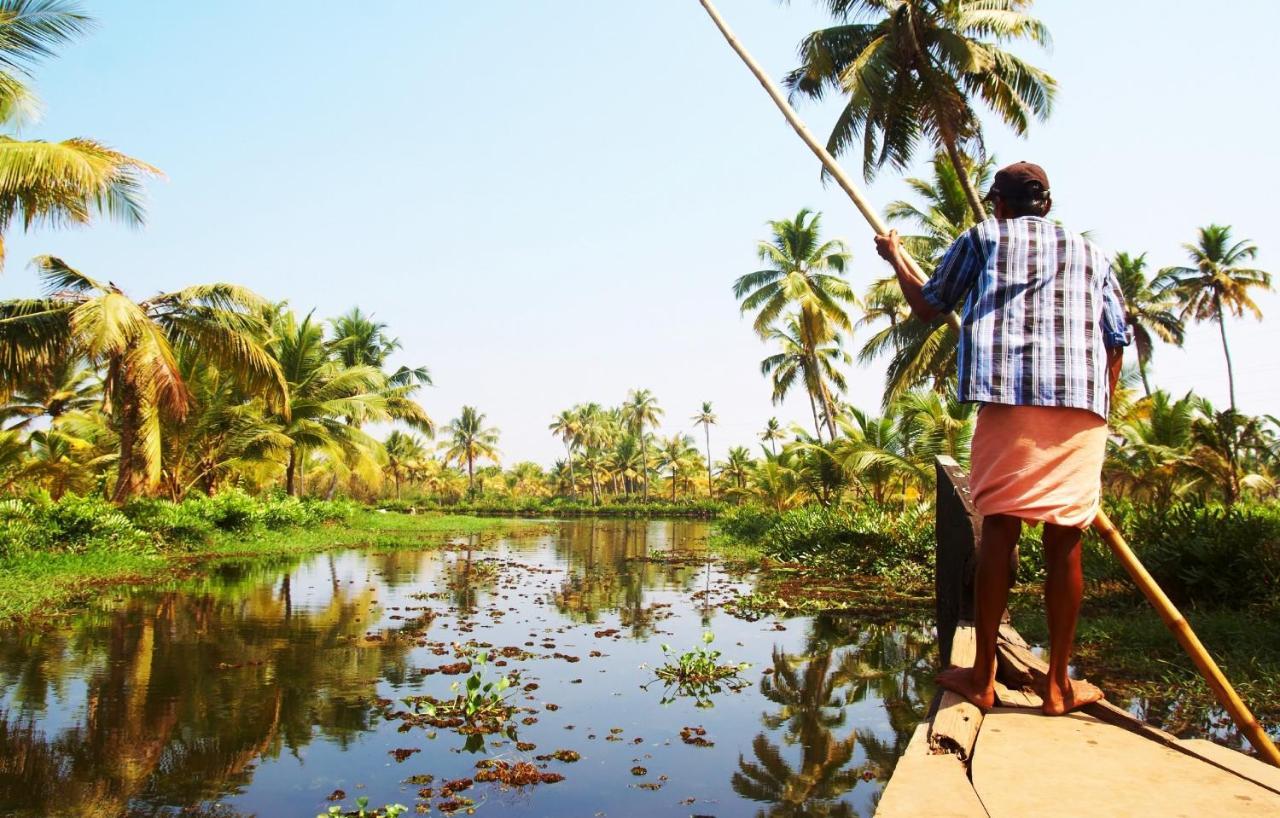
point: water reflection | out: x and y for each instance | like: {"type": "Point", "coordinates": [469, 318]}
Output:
{"type": "Point", "coordinates": [613, 563]}
{"type": "Point", "coordinates": [253, 689]}
{"type": "Point", "coordinates": [814, 694]}
{"type": "Point", "coordinates": [173, 697]}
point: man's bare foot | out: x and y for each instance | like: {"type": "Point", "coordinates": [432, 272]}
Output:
{"type": "Point", "coordinates": [959, 680]}
{"type": "Point", "coordinates": [1078, 694]}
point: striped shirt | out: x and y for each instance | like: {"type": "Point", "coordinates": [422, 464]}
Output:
{"type": "Point", "coordinates": [1041, 307]}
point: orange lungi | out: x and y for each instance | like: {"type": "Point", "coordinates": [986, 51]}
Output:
{"type": "Point", "coordinates": [1039, 463]}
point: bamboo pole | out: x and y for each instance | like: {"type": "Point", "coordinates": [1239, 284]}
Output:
{"type": "Point", "coordinates": [1177, 624]}
{"type": "Point", "coordinates": [1222, 689]}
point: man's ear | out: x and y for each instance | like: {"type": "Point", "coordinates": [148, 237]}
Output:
{"type": "Point", "coordinates": [1048, 203]}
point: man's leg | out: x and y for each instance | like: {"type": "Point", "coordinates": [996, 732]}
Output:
{"type": "Point", "coordinates": [1063, 589]}
{"type": "Point", "coordinates": [991, 591]}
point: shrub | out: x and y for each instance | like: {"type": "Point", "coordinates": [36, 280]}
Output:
{"type": "Point", "coordinates": [1211, 554]}
{"type": "Point", "coordinates": [865, 539]}
{"type": "Point", "coordinates": [72, 524]}
{"type": "Point", "coordinates": [283, 512]}
{"type": "Point", "coordinates": [177, 524]}
{"type": "Point", "coordinates": [747, 523]}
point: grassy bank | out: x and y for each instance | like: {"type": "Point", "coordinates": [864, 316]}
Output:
{"type": "Point", "coordinates": [1124, 647]}
{"type": "Point", "coordinates": [1220, 565]}
{"type": "Point", "coordinates": [89, 546]}
{"type": "Point", "coordinates": [564, 507]}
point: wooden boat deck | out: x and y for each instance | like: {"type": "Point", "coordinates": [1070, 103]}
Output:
{"type": "Point", "coordinates": [1014, 762]}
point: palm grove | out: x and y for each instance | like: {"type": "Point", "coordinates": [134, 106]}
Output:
{"type": "Point", "coordinates": [212, 386]}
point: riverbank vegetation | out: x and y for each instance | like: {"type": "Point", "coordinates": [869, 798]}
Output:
{"type": "Point", "coordinates": [53, 553]}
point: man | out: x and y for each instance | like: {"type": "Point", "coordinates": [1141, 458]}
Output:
{"type": "Point", "coordinates": [1042, 338]}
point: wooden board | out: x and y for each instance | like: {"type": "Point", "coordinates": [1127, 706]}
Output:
{"type": "Point", "coordinates": [924, 784]}
{"type": "Point", "coordinates": [1023, 697]}
{"type": "Point", "coordinates": [1087, 767]}
{"type": "Point", "coordinates": [1018, 665]}
{"type": "Point", "coordinates": [1251, 768]}
{"type": "Point", "coordinates": [956, 723]}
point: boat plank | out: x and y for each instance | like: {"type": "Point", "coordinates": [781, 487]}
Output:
{"type": "Point", "coordinates": [927, 784]}
{"type": "Point", "coordinates": [1254, 769]}
{"type": "Point", "coordinates": [1099, 770]}
{"type": "Point", "coordinates": [956, 723]}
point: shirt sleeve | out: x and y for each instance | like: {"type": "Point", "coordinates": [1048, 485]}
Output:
{"type": "Point", "coordinates": [1115, 325]}
{"type": "Point", "coordinates": [955, 274]}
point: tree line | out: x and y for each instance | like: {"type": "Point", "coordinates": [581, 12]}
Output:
{"type": "Point", "coordinates": [212, 385]}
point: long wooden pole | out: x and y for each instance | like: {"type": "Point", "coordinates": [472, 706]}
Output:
{"type": "Point", "coordinates": [1176, 623]}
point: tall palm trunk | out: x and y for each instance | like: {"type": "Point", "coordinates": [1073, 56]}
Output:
{"type": "Point", "coordinates": [674, 483]}
{"type": "Point", "coordinates": [1222, 329]}
{"type": "Point", "coordinates": [573, 481]}
{"type": "Point", "coordinates": [1142, 370]}
{"type": "Point", "coordinates": [291, 474]}
{"type": "Point", "coordinates": [817, 425]}
{"type": "Point", "coordinates": [706, 427]}
{"type": "Point", "coordinates": [129, 478]}
{"type": "Point", "coordinates": [962, 174]}
{"type": "Point", "coordinates": [644, 462]}
{"type": "Point", "coordinates": [471, 475]}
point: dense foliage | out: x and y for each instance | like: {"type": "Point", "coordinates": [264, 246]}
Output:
{"type": "Point", "coordinates": [37, 523]}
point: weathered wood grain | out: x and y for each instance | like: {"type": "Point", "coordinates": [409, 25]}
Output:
{"type": "Point", "coordinates": [924, 784]}
{"type": "Point", "coordinates": [956, 722]}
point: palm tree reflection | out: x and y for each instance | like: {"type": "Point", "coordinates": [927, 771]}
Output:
{"type": "Point", "coordinates": [847, 663]}
{"type": "Point", "coordinates": [183, 693]}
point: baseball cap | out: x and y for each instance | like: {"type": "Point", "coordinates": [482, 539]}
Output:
{"type": "Point", "coordinates": [1016, 181]}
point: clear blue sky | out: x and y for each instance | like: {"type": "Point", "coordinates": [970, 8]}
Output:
{"type": "Point", "coordinates": [549, 201]}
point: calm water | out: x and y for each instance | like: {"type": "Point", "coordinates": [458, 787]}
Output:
{"type": "Point", "coordinates": [263, 689]}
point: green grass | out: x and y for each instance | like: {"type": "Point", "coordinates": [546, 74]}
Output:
{"type": "Point", "coordinates": [41, 584]}
{"type": "Point", "coordinates": [1125, 648]}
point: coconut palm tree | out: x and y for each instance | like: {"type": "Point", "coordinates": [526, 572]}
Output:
{"type": "Point", "coordinates": [63, 385]}
{"type": "Point", "coordinates": [1152, 449]}
{"type": "Point", "coordinates": [706, 419]}
{"type": "Point", "coordinates": [804, 275]}
{"type": "Point", "coordinates": [817, 371]}
{"type": "Point", "coordinates": [878, 452]}
{"type": "Point", "coordinates": [913, 68]}
{"type": "Point", "coordinates": [1148, 312]}
{"type": "Point", "coordinates": [54, 183]}
{"type": "Point", "coordinates": [772, 434]}
{"type": "Point", "coordinates": [1227, 444]}
{"type": "Point", "coordinates": [774, 483]}
{"type": "Point", "coordinates": [323, 394]}
{"type": "Point", "coordinates": [943, 212]}
{"type": "Point", "coordinates": [737, 466]}
{"type": "Point", "coordinates": [468, 440]}
{"type": "Point", "coordinates": [640, 410]}
{"type": "Point", "coordinates": [568, 427]}
{"type": "Point", "coordinates": [225, 431]}
{"type": "Point", "coordinates": [676, 453]}
{"type": "Point", "coordinates": [404, 451]}
{"type": "Point", "coordinates": [136, 344]}
{"type": "Point", "coordinates": [358, 340]}
{"type": "Point", "coordinates": [1216, 284]}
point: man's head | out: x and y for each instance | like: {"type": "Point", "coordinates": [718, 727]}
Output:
{"type": "Point", "coordinates": [1020, 189]}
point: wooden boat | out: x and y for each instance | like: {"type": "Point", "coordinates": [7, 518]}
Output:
{"type": "Point", "coordinates": [1014, 761]}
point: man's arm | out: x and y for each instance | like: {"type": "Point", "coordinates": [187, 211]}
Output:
{"type": "Point", "coordinates": [1115, 362]}
{"type": "Point", "coordinates": [890, 249]}
{"type": "Point", "coordinates": [1116, 334]}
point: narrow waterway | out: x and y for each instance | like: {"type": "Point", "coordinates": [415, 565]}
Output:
{"type": "Point", "coordinates": [276, 689]}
